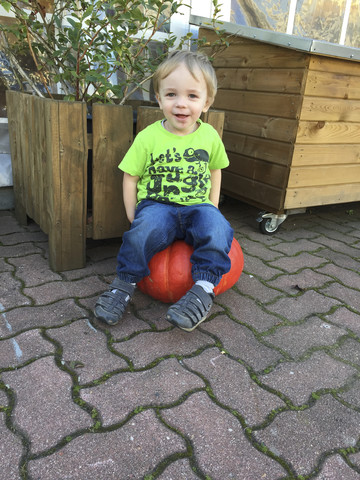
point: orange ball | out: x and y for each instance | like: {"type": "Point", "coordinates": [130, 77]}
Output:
{"type": "Point", "coordinates": [170, 272]}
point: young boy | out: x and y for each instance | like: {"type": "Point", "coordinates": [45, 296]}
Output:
{"type": "Point", "coordinates": [172, 177]}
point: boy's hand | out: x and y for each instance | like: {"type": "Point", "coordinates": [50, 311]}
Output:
{"type": "Point", "coordinates": [215, 180]}
{"type": "Point", "coordinates": [130, 195]}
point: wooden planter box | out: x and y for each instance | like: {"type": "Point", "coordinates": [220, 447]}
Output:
{"type": "Point", "coordinates": [50, 147]}
{"type": "Point", "coordinates": [292, 120]}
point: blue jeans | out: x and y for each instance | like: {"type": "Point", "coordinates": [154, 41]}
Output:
{"type": "Point", "coordinates": [157, 225]}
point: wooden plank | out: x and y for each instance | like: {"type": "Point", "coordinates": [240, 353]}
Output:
{"type": "Point", "coordinates": [13, 100]}
{"type": "Point", "coordinates": [322, 195]}
{"type": "Point", "coordinates": [146, 116]}
{"type": "Point", "coordinates": [323, 175]}
{"type": "Point", "coordinates": [284, 105]}
{"type": "Point", "coordinates": [67, 236]}
{"type": "Point", "coordinates": [261, 79]}
{"type": "Point", "coordinates": [327, 132]}
{"type": "Point", "coordinates": [263, 126]}
{"type": "Point", "coordinates": [112, 137]}
{"type": "Point", "coordinates": [252, 192]}
{"type": "Point", "coordinates": [330, 109]}
{"type": "Point", "coordinates": [336, 65]}
{"type": "Point", "coordinates": [41, 162]}
{"type": "Point", "coordinates": [278, 153]}
{"type": "Point", "coordinates": [258, 170]}
{"type": "Point", "coordinates": [216, 119]}
{"type": "Point", "coordinates": [244, 52]}
{"type": "Point", "coordinates": [326, 154]}
{"type": "Point", "coordinates": [333, 85]}
{"type": "Point", "coordinates": [260, 55]}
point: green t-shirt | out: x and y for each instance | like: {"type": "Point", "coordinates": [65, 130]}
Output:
{"type": "Point", "coordinates": [175, 168]}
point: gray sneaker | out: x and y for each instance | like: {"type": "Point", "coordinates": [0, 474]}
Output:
{"type": "Point", "coordinates": [191, 309]}
{"type": "Point", "coordinates": [111, 305]}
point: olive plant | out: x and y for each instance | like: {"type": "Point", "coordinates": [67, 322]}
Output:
{"type": "Point", "coordinates": [82, 45]}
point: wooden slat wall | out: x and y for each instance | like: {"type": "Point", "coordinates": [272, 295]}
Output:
{"type": "Point", "coordinates": [112, 137]}
{"type": "Point", "coordinates": [326, 162]}
{"type": "Point", "coordinates": [260, 88]}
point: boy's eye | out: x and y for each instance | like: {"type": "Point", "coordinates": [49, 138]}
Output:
{"type": "Point", "coordinates": [170, 94]}
{"type": "Point", "coordinates": [192, 95]}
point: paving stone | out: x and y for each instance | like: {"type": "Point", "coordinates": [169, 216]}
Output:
{"type": "Point", "coordinates": [52, 315]}
{"type": "Point", "coordinates": [9, 224]}
{"type": "Point", "coordinates": [241, 343]}
{"type": "Point", "coordinates": [297, 262]}
{"type": "Point", "coordinates": [34, 270]}
{"type": "Point", "coordinates": [248, 311]}
{"type": "Point", "coordinates": [10, 452]}
{"type": "Point", "coordinates": [256, 249]}
{"type": "Point", "coordinates": [315, 373]}
{"type": "Point", "coordinates": [85, 351]}
{"type": "Point", "coordinates": [163, 384]}
{"type": "Point", "coordinates": [302, 437]}
{"type": "Point", "coordinates": [24, 236]}
{"type": "Point", "coordinates": [296, 247]}
{"type": "Point", "coordinates": [346, 319]}
{"type": "Point", "coordinates": [347, 238]}
{"type": "Point", "coordinates": [298, 308]}
{"type": "Point", "coordinates": [51, 292]}
{"type": "Point", "coordinates": [130, 452]}
{"type": "Point", "coordinates": [44, 408]}
{"type": "Point", "coordinates": [335, 467]}
{"type": "Point", "coordinates": [347, 296]}
{"type": "Point", "coordinates": [355, 459]}
{"type": "Point", "coordinates": [147, 347]}
{"type": "Point", "coordinates": [179, 470]}
{"type": "Point", "coordinates": [20, 250]}
{"type": "Point", "coordinates": [352, 395]}
{"type": "Point", "coordinates": [339, 259]}
{"type": "Point", "coordinates": [10, 294]}
{"type": "Point", "coordinates": [349, 351]}
{"type": "Point", "coordinates": [250, 285]}
{"type": "Point", "coordinates": [3, 399]}
{"type": "Point", "coordinates": [233, 386]}
{"type": "Point", "coordinates": [203, 422]}
{"type": "Point", "coordinates": [255, 266]}
{"type": "Point", "coordinates": [295, 283]}
{"type": "Point", "coordinates": [5, 267]}
{"type": "Point", "coordinates": [21, 348]}
{"type": "Point", "coordinates": [338, 245]}
{"type": "Point", "coordinates": [347, 277]}
{"type": "Point", "coordinates": [105, 267]}
{"type": "Point", "coordinates": [297, 339]}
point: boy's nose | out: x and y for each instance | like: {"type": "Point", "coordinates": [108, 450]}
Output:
{"type": "Point", "coordinates": [181, 102]}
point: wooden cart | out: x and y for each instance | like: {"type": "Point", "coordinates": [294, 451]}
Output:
{"type": "Point", "coordinates": [292, 121]}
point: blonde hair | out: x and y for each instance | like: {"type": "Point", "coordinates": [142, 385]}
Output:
{"type": "Point", "coordinates": [193, 61]}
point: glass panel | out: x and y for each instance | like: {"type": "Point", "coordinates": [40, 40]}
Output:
{"type": "Point", "coordinates": [316, 19]}
{"type": "Point", "coordinates": [319, 19]}
{"type": "Point", "coordinates": [353, 34]}
{"type": "Point", "coordinates": [267, 14]}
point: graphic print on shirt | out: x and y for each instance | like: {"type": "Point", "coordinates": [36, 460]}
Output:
{"type": "Point", "coordinates": [185, 176]}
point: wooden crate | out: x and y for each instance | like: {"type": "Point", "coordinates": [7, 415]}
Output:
{"type": "Point", "coordinates": [49, 150]}
{"type": "Point", "coordinates": [292, 125]}
{"type": "Point", "coordinates": [50, 145]}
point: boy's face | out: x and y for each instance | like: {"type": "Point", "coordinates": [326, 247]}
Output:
{"type": "Point", "coordinates": [182, 99]}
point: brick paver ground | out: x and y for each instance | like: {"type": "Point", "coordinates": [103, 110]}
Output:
{"type": "Point", "coordinates": [267, 388]}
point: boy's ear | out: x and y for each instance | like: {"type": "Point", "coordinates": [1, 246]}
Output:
{"type": "Point", "coordinates": [207, 104]}
{"type": "Point", "coordinates": [157, 96]}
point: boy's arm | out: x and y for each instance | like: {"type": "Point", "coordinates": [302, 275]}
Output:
{"type": "Point", "coordinates": [130, 195]}
{"type": "Point", "coordinates": [215, 180]}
